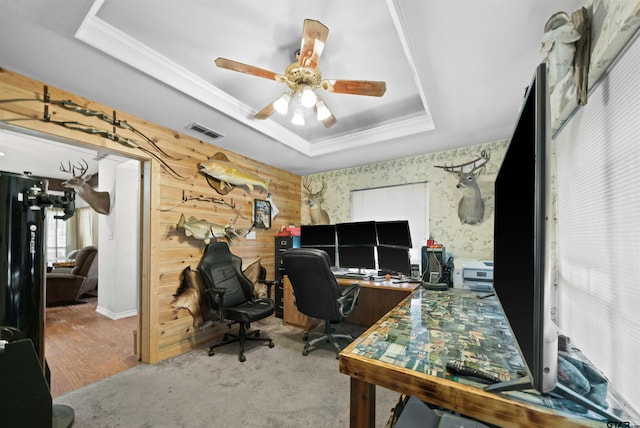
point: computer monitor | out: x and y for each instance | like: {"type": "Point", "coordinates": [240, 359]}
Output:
{"type": "Point", "coordinates": [331, 251]}
{"type": "Point", "coordinates": [312, 235]}
{"type": "Point", "coordinates": [356, 256]}
{"type": "Point", "coordinates": [357, 233]}
{"type": "Point", "coordinates": [394, 260]}
{"type": "Point", "coordinates": [394, 233]}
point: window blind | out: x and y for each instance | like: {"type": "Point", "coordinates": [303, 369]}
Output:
{"type": "Point", "coordinates": [598, 226]}
{"type": "Point", "coordinates": [402, 202]}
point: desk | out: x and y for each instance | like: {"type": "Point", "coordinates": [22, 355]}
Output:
{"type": "Point", "coordinates": [406, 351]}
{"type": "Point", "coordinates": [374, 301]}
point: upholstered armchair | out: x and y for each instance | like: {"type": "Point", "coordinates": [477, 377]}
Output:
{"type": "Point", "coordinates": [68, 286]}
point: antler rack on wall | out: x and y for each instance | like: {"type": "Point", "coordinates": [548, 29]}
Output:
{"type": "Point", "coordinates": [203, 198]}
{"type": "Point", "coordinates": [89, 129]}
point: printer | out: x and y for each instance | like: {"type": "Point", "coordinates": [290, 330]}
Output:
{"type": "Point", "coordinates": [473, 274]}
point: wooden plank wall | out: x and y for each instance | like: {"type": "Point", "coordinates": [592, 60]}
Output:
{"type": "Point", "coordinates": [165, 332]}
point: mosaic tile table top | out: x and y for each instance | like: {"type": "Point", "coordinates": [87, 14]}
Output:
{"type": "Point", "coordinates": [432, 327]}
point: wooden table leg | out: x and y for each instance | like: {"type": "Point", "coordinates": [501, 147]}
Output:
{"type": "Point", "coordinates": [362, 405]}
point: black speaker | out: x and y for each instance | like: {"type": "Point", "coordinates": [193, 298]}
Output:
{"type": "Point", "coordinates": [26, 401]}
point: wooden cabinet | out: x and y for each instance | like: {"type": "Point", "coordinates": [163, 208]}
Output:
{"type": "Point", "coordinates": [293, 317]}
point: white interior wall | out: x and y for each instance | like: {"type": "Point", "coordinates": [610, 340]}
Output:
{"type": "Point", "coordinates": [118, 252]}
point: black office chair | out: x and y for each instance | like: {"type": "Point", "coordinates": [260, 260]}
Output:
{"type": "Point", "coordinates": [230, 293]}
{"type": "Point", "coordinates": [317, 293]}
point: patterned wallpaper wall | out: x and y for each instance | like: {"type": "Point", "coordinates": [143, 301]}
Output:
{"type": "Point", "coordinates": [463, 240]}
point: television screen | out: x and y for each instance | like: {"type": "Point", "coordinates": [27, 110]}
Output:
{"type": "Point", "coordinates": [520, 265]}
{"type": "Point", "coordinates": [356, 233]}
{"type": "Point", "coordinates": [394, 260]}
{"type": "Point", "coordinates": [317, 234]}
{"type": "Point", "coordinates": [356, 256]}
{"type": "Point", "coordinates": [395, 233]}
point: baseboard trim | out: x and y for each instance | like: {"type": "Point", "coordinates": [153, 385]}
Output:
{"type": "Point", "coordinates": [116, 315]}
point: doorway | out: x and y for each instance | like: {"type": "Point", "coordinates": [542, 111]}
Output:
{"type": "Point", "coordinates": [96, 336]}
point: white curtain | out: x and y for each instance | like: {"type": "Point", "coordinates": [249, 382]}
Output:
{"type": "Point", "coordinates": [403, 202]}
{"type": "Point", "coordinates": [82, 229]}
{"type": "Point", "coordinates": [598, 156]}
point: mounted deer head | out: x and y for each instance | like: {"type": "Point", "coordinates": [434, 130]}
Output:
{"type": "Point", "coordinates": [317, 214]}
{"type": "Point", "coordinates": [471, 206]}
{"type": "Point", "coordinates": [99, 201]}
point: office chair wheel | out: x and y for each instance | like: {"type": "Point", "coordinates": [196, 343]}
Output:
{"type": "Point", "coordinates": [242, 358]}
{"type": "Point", "coordinates": [271, 344]}
{"type": "Point", "coordinates": [305, 337]}
{"type": "Point", "coordinates": [212, 352]}
{"type": "Point", "coordinates": [305, 352]}
{"type": "Point", "coordinates": [257, 333]}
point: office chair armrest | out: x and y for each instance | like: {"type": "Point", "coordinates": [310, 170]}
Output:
{"type": "Point", "coordinates": [269, 284]}
{"type": "Point", "coordinates": [219, 292]}
{"type": "Point", "coordinates": [348, 300]}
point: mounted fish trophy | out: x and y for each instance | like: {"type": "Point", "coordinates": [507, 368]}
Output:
{"type": "Point", "coordinates": [224, 175]}
{"type": "Point", "coordinates": [314, 200]}
{"type": "Point", "coordinates": [471, 206]}
{"type": "Point", "coordinates": [99, 201]}
{"type": "Point", "coordinates": [206, 231]}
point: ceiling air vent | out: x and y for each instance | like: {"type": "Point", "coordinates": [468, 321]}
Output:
{"type": "Point", "coordinates": [195, 126]}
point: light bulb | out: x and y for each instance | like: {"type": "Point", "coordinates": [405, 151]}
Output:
{"type": "Point", "coordinates": [322, 111]}
{"type": "Point", "coordinates": [298, 117]}
{"type": "Point", "coordinates": [307, 96]}
{"type": "Point", "coordinates": [281, 105]}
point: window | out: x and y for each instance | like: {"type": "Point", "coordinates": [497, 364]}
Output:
{"type": "Point", "coordinates": [598, 233]}
{"type": "Point", "coordinates": [402, 202]}
{"type": "Point", "coordinates": [56, 236]}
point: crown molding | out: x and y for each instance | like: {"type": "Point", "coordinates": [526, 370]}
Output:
{"type": "Point", "coordinates": [110, 40]}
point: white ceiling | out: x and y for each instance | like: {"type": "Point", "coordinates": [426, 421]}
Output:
{"type": "Point", "coordinates": [455, 70]}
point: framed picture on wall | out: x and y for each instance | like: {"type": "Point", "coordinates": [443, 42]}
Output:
{"type": "Point", "coordinates": [261, 214]}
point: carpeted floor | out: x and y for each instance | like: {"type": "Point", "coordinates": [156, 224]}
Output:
{"type": "Point", "coordinates": [275, 387]}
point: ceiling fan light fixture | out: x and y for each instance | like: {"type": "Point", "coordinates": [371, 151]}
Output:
{"type": "Point", "coordinates": [322, 111]}
{"type": "Point", "coordinates": [307, 96]}
{"type": "Point", "coordinates": [281, 105]}
{"type": "Point", "coordinates": [298, 117]}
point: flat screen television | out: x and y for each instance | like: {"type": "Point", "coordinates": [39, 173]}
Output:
{"type": "Point", "coordinates": [521, 270]}
{"type": "Point", "coordinates": [312, 235]}
{"type": "Point", "coordinates": [394, 233]}
{"type": "Point", "coordinates": [394, 260]}
{"type": "Point", "coordinates": [522, 276]}
{"type": "Point", "coordinates": [357, 233]}
{"type": "Point", "coordinates": [357, 256]}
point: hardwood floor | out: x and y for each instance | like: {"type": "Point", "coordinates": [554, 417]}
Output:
{"type": "Point", "coordinates": [83, 346]}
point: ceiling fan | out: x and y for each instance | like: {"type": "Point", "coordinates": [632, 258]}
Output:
{"type": "Point", "coordinates": [303, 77]}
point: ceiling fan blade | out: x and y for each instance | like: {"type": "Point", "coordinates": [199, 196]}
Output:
{"type": "Point", "coordinates": [330, 121]}
{"type": "Point", "coordinates": [249, 69]}
{"type": "Point", "coordinates": [265, 113]}
{"type": "Point", "coordinates": [355, 87]}
{"type": "Point", "coordinates": [314, 36]}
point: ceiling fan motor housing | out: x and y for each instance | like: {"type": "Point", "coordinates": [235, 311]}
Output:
{"type": "Point", "coordinates": [298, 75]}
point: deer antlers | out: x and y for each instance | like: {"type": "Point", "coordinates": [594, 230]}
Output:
{"type": "Point", "coordinates": [306, 183]}
{"type": "Point", "coordinates": [468, 167]}
{"type": "Point", "coordinates": [72, 169]}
